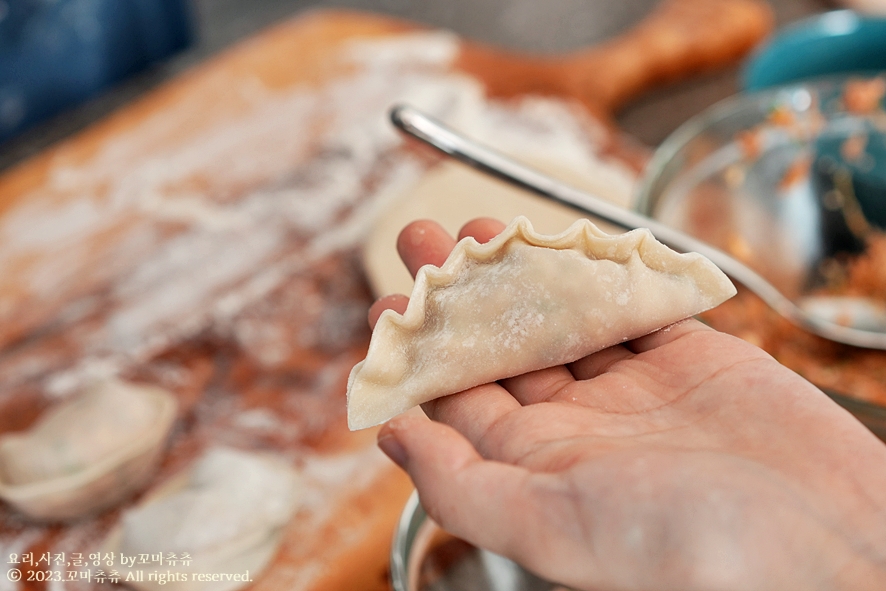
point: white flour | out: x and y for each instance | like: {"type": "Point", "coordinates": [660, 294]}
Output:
{"type": "Point", "coordinates": [240, 195]}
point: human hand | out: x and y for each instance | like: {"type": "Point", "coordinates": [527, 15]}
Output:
{"type": "Point", "coordinates": [686, 459]}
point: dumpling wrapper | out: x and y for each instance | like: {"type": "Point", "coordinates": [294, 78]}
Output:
{"type": "Point", "coordinates": [229, 494]}
{"type": "Point", "coordinates": [80, 433]}
{"type": "Point", "coordinates": [88, 452]}
{"type": "Point", "coordinates": [228, 513]}
{"type": "Point", "coordinates": [524, 302]}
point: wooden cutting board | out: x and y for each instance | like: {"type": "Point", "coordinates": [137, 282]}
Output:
{"type": "Point", "coordinates": [206, 239]}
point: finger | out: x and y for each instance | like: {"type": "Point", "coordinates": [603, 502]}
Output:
{"type": "Point", "coordinates": [539, 386]}
{"type": "Point", "coordinates": [598, 363]}
{"type": "Point", "coordinates": [481, 229]}
{"type": "Point", "coordinates": [396, 302]}
{"type": "Point", "coordinates": [473, 412]}
{"type": "Point", "coordinates": [667, 335]}
{"type": "Point", "coordinates": [424, 242]}
{"type": "Point", "coordinates": [497, 506]}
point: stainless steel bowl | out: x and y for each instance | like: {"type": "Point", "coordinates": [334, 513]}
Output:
{"type": "Point", "coordinates": [766, 178]}
{"type": "Point", "coordinates": [784, 180]}
{"type": "Point", "coordinates": [426, 558]}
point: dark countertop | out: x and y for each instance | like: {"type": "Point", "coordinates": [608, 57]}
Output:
{"type": "Point", "coordinates": [546, 27]}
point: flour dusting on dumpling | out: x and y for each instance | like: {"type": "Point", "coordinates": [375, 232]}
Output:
{"type": "Point", "coordinates": [523, 302]}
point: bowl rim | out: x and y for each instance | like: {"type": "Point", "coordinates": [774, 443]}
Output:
{"type": "Point", "coordinates": [411, 519]}
{"type": "Point", "coordinates": [719, 111]}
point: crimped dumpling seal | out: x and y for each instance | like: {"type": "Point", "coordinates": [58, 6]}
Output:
{"type": "Point", "coordinates": [523, 302]}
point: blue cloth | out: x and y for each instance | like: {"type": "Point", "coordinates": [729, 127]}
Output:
{"type": "Point", "coordinates": [57, 53]}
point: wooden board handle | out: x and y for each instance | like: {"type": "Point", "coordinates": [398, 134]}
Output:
{"type": "Point", "coordinates": [679, 38]}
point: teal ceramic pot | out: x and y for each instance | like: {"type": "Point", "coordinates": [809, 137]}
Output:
{"type": "Point", "coordinates": [838, 42]}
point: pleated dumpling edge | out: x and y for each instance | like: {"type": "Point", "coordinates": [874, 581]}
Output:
{"type": "Point", "coordinates": [520, 302]}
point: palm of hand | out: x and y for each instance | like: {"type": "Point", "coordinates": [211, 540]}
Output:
{"type": "Point", "coordinates": [687, 459]}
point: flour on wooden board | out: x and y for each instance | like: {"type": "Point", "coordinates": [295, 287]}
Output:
{"type": "Point", "coordinates": [203, 225]}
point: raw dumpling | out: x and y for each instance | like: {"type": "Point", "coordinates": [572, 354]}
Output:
{"type": "Point", "coordinates": [226, 514]}
{"type": "Point", "coordinates": [87, 453]}
{"type": "Point", "coordinates": [523, 302]}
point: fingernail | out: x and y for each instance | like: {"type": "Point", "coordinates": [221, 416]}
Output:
{"type": "Point", "coordinates": [392, 447]}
